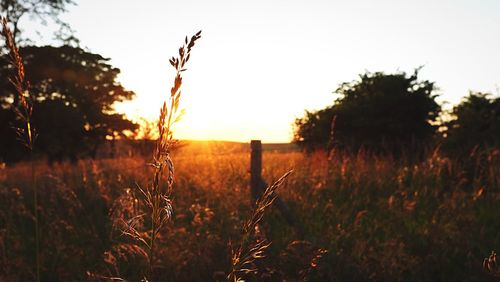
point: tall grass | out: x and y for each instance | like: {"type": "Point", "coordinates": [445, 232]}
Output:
{"type": "Point", "coordinates": [365, 217]}
{"type": "Point", "coordinates": [378, 218]}
{"type": "Point", "coordinates": [155, 198]}
{"type": "Point", "coordinates": [23, 110]}
{"type": "Point", "coordinates": [251, 249]}
{"type": "Point", "coordinates": [491, 266]}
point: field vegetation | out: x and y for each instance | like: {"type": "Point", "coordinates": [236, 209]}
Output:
{"type": "Point", "coordinates": [373, 191]}
{"type": "Point", "coordinates": [362, 217]}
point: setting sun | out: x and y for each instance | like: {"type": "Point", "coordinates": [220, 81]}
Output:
{"type": "Point", "coordinates": [222, 140]}
{"type": "Point", "coordinates": [261, 65]}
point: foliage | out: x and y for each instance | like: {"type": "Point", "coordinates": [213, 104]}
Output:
{"type": "Point", "coordinates": [380, 111]}
{"type": "Point", "coordinates": [380, 218]}
{"type": "Point", "coordinates": [41, 10]}
{"type": "Point", "coordinates": [476, 124]}
{"type": "Point", "coordinates": [73, 93]}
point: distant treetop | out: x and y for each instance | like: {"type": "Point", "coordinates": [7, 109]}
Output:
{"type": "Point", "coordinates": [379, 111]}
{"type": "Point", "coordinates": [476, 124]}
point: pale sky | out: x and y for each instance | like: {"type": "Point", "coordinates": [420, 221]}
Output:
{"type": "Point", "coordinates": [260, 64]}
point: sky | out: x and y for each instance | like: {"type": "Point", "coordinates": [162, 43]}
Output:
{"type": "Point", "coordinates": [261, 63]}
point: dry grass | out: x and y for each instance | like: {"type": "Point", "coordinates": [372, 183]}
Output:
{"type": "Point", "coordinates": [365, 217]}
{"type": "Point", "coordinates": [378, 218]}
{"type": "Point", "coordinates": [156, 208]}
{"type": "Point", "coordinates": [250, 248]}
{"type": "Point", "coordinates": [490, 264]}
{"type": "Point", "coordinates": [23, 108]}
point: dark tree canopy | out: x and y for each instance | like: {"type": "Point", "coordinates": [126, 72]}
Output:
{"type": "Point", "coordinates": [476, 124]}
{"type": "Point", "coordinates": [379, 111]}
{"type": "Point", "coordinates": [73, 92]}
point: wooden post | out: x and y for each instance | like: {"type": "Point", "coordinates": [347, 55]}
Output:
{"type": "Point", "coordinates": [256, 169]}
{"type": "Point", "coordinates": [258, 186]}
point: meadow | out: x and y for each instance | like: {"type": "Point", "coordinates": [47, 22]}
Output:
{"type": "Point", "coordinates": [362, 217]}
{"type": "Point", "coordinates": [185, 213]}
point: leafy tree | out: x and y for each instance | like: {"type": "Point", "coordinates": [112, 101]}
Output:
{"type": "Point", "coordinates": [379, 111]}
{"type": "Point", "coordinates": [73, 92]}
{"type": "Point", "coordinates": [476, 123]}
{"type": "Point", "coordinates": [42, 10]}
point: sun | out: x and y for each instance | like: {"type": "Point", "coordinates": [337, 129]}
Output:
{"type": "Point", "coordinates": [198, 122]}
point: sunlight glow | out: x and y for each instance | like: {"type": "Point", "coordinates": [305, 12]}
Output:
{"type": "Point", "coordinates": [260, 64]}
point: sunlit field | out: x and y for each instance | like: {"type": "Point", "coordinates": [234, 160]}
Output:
{"type": "Point", "coordinates": [351, 147]}
{"type": "Point", "coordinates": [361, 217]}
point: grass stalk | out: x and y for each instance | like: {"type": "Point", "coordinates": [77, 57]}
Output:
{"type": "Point", "coordinates": [157, 201]}
{"type": "Point", "coordinates": [35, 204]}
{"type": "Point", "coordinates": [248, 251]}
{"type": "Point", "coordinates": [23, 109]}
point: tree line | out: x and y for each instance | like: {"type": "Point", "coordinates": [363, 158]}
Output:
{"type": "Point", "coordinates": [72, 91]}
{"type": "Point", "coordinates": [398, 113]}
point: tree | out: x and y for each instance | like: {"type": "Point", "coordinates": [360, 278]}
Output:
{"type": "Point", "coordinates": [476, 124]}
{"type": "Point", "coordinates": [73, 93]}
{"type": "Point", "coordinates": [42, 10]}
{"type": "Point", "coordinates": [379, 111]}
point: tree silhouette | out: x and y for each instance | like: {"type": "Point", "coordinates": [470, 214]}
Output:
{"type": "Point", "coordinates": [378, 112]}
{"type": "Point", "coordinates": [476, 124]}
{"type": "Point", "coordinates": [73, 92]}
{"type": "Point", "coordinates": [41, 10]}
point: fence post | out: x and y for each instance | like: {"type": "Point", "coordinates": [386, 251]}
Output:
{"type": "Point", "coordinates": [258, 186]}
{"type": "Point", "coordinates": [256, 169]}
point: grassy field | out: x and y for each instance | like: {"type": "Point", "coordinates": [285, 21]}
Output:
{"type": "Point", "coordinates": [361, 217]}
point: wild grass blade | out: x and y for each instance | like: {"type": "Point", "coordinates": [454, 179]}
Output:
{"type": "Point", "coordinates": [23, 108]}
{"type": "Point", "coordinates": [157, 203]}
{"type": "Point", "coordinates": [247, 252]}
